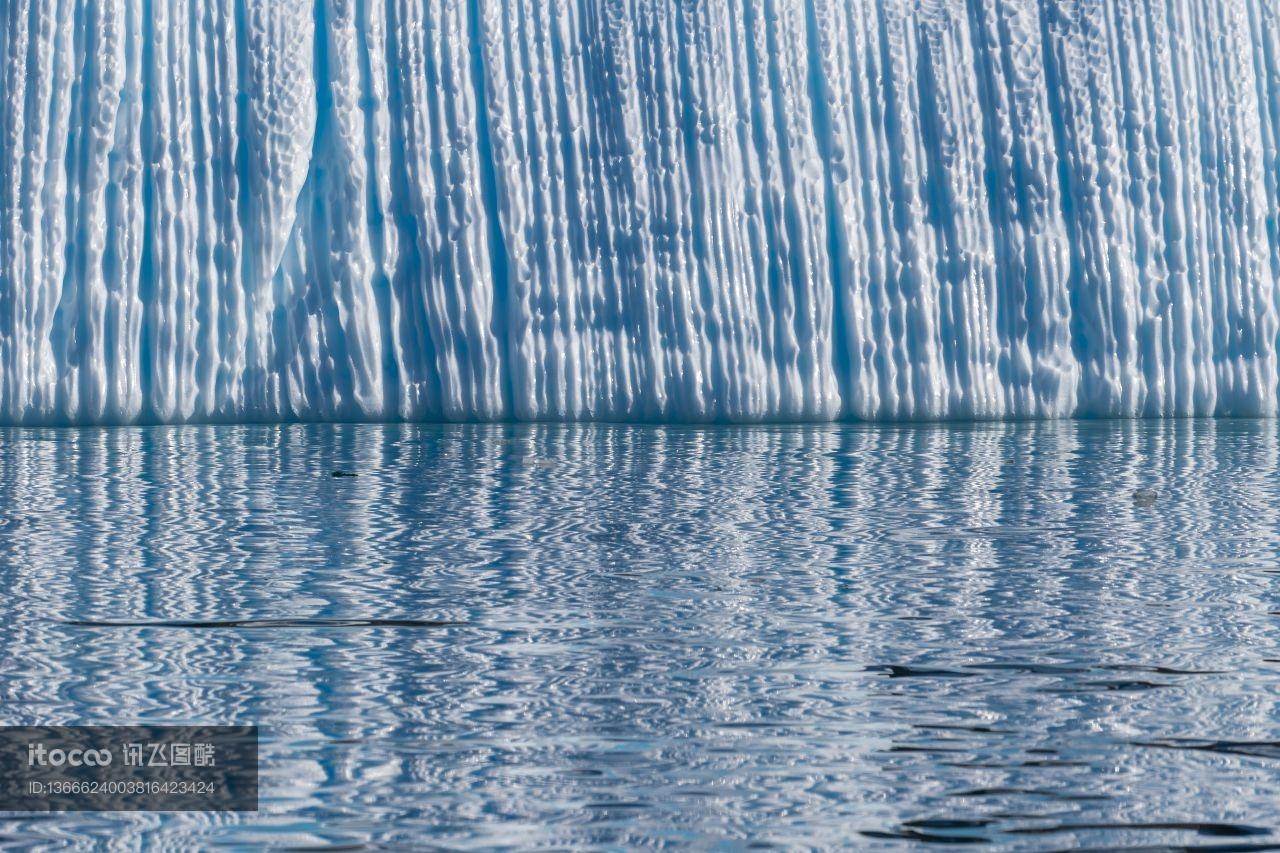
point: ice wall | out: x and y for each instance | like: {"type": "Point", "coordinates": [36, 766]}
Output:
{"type": "Point", "coordinates": [637, 209]}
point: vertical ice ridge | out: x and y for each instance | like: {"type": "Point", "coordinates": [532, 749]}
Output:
{"type": "Point", "coordinates": [704, 210]}
{"type": "Point", "coordinates": [1034, 365]}
{"type": "Point", "coordinates": [16, 31]}
{"type": "Point", "coordinates": [172, 226]}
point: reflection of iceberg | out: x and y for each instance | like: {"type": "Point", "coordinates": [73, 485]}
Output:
{"type": "Point", "coordinates": [795, 209]}
{"type": "Point", "coordinates": [674, 605]}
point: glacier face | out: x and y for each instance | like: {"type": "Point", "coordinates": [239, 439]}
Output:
{"type": "Point", "coordinates": [218, 210]}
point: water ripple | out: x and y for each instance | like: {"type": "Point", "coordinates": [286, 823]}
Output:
{"type": "Point", "coordinates": [598, 636]}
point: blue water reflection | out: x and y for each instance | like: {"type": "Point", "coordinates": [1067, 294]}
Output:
{"type": "Point", "coordinates": [608, 635]}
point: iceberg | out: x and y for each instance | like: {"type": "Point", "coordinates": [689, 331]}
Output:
{"type": "Point", "coordinates": [637, 210]}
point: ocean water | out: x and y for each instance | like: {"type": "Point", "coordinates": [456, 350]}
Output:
{"type": "Point", "coordinates": [1040, 635]}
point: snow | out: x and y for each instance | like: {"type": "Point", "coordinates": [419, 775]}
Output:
{"type": "Point", "coordinates": [665, 210]}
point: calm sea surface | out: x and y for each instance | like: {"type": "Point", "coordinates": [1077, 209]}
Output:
{"type": "Point", "coordinates": [615, 636]}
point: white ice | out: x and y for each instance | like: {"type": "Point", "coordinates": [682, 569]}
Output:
{"type": "Point", "coordinates": [672, 210]}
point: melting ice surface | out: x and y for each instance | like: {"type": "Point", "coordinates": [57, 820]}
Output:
{"type": "Point", "coordinates": [612, 636]}
{"type": "Point", "coordinates": [637, 209]}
